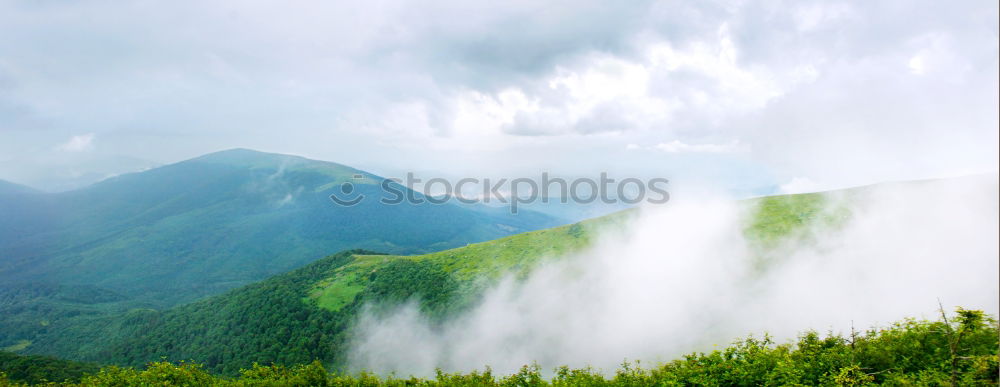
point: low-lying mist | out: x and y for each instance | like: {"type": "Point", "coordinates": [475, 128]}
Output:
{"type": "Point", "coordinates": [685, 278]}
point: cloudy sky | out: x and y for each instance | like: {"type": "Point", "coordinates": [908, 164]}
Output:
{"type": "Point", "coordinates": [794, 95]}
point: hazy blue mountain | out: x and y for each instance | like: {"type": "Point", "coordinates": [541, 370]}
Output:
{"type": "Point", "coordinates": [201, 226]}
{"type": "Point", "coordinates": [8, 188]}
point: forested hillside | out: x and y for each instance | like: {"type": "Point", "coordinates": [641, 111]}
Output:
{"type": "Point", "coordinates": [305, 314]}
{"type": "Point", "coordinates": [34, 369]}
{"type": "Point", "coordinates": [961, 351]}
{"type": "Point", "coordinates": [182, 231]}
{"type": "Point", "coordinates": [174, 234]}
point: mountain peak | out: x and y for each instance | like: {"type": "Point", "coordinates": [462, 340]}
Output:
{"type": "Point", "coordinates": [251, 158]}
{"type": "Point", "coordinates": [243, 158]}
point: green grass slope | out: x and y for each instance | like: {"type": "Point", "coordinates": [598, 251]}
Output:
{"type": "Point", "coordinates": [473, 266]}
{"type": "Point", "coordinates": [774, 219]}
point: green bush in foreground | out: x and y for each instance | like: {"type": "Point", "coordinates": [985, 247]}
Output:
{"type": "Point", "coordinates": [39, 369]}
{"type": "Point", "coordinates": [961, 352]}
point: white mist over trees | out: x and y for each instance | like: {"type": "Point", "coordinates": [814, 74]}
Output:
{"type": "Point", "coordinates": [684, 278]}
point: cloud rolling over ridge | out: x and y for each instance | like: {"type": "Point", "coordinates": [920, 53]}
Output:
{"type": "Point", "coordinates": [684, 278]}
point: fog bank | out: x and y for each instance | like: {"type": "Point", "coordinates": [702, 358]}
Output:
{"type": "Point", "coordinates": [683, 279]}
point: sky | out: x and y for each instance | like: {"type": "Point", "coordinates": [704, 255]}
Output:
{"type": "Point", "coordinates": [749, 96]}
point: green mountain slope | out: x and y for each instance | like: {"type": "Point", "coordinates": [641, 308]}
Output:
{"type": "Point", "coordinates": [201, 226]}
{"type": "Point", "coordinates": [305, 314]}
{"type": "Point", "coordinates": [180, 232]}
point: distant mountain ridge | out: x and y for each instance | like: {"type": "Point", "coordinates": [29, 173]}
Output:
{"type": "Point", "coordinates": [198, 227]}
{"type": "Point", "coordinates": [9, 188]}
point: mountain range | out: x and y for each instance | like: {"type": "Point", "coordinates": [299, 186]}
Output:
{"type": "Point", "coordinates": [179, 232]}
{"type": "Point", "coordinates": [174, 234]}
{"type": "Point", "coordinates": [306, 314]}
{"type": "Point", "coordinates": [240, 257]}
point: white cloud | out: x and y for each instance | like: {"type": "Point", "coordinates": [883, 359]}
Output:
{"type": "Point", "coordinates": [80, 143]}
{"type": "Point", "coordinates": [799, 185]}
{"type": "Point", "coordinates": [916, 64]}
{"type": "Point", "coordinates": [684, 278]}
{"type": "Point", "coordinates": [814, 16]}
{"type": "Point", "coordinates": [676, 146]}
{"type": "Point", "coordinates": [660, 89]}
